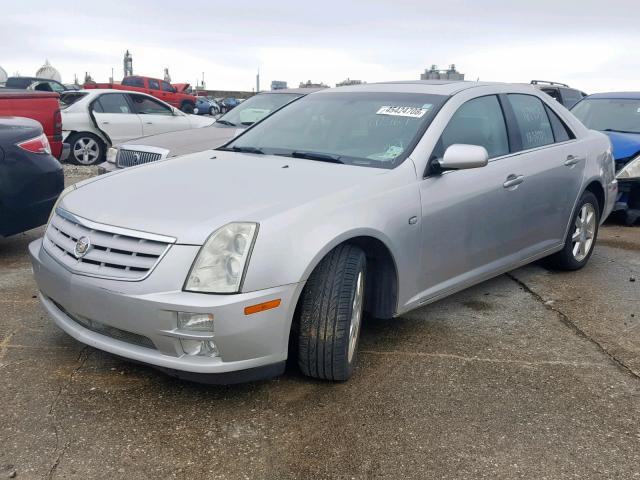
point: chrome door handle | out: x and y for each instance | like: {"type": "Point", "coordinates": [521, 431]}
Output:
{"type": "Point", "coordinates": [105, 123]}
{"type": "Point", "coordinates": [148, 123]}
{"type": "Point", "coordinates": [571, 160]}
{"type": "Point", "coordinates": [513, 181]}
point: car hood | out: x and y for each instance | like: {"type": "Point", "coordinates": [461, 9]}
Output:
{"type": "Point", "coordinates": [188, 141]}
{"type": "Point", "coordinates": [625, 145]}
{"type": "Point", "coordinates": [190, 197]}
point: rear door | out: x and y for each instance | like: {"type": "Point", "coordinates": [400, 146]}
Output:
{"type": "Point", "coordinates": [157, 117]}
{"type": "Point", "coordinates": [114, 115]}
{"type": "Point", "coordinates": [550, 162]}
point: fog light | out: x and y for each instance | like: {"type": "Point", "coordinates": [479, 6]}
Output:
{"type": "Point", "coordinates": [195, 322]}
{"type": "Point", "coordinates": [199, 348]}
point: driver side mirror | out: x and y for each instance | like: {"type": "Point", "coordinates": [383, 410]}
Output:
{"type": "Point", "coordinates": [462, 157]}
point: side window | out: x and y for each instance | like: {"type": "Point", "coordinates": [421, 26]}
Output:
{"type": "Point", "coordinates": [56, 87]}
{"type": "Point", "coordinates": [570, 97]}
{"type": "Point", "coordinates": [477, 122]}
{"type": "Point", "coordinates": [133, 82]}
{"type": "Point", "coordinates": [553, 93]}
{"type": "Point", "coordinates": [166, 87]}
{"type": "Point", "coordinates": [148, 106]}
{"type": "Point", "coordinates": [112, 103]}
{"type": "Point", "coordinates": [532, 121]}
{"type": "Point", "coordinates": [153, 84]}
{"type": "Point", "coordinates": [561, 132]}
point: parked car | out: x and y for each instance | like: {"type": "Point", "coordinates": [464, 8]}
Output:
{"type": "Point", "coordinates": [31, 179]}
{"type": "Point", "coordinates": [40, 106]}
{"type": "Point", "coordinates": [175, 95]}
{"type": "Point", "coordinates": [561, 92]}
{"type": "Point", "coordinates": [346, 201]}
{"type": "Point", "coordinates": [618, 116]}
{"type": "Point", "coordinates": [157, 147]}
{"type": "Point", "coordinates": [93, 120]}
{"type": "Point", "coordinates": [206, 106]}
{"type": "Point", "coordinates": [35, 83]}
{"type": "Point", "coordinates": [230, 103]}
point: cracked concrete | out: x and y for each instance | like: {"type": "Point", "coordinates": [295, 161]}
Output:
{"type": "Point", "coordinates": [529, 375]}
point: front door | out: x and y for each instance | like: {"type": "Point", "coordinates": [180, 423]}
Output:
{"type": "Point", "coordinates": [158, 117]}
{"type": "Point", "coordinates": [470, 217]}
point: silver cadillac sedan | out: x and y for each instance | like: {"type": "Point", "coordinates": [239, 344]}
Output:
{"type": "Point", "coordinates": [376, 199]}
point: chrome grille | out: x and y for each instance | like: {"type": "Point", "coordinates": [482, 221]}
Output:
{"type": "Point", "coordinates": [112, 253]}
{"type": "Point", "coordinates": [131, 158]}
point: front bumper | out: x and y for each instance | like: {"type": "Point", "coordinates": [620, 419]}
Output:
{"type": "Point", "coordinates": [147, 310]}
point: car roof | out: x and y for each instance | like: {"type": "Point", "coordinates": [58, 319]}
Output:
{"type": "Point", "coordinates": [436, 87]}
{"type": "Point", "coordinates": [617, 95]}
{"type": "Point", "coordinates": [302, 91]}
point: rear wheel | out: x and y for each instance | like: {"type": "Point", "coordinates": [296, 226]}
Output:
{"type": "Point", "coordinates": [331, 313]}
{"type": "Point", "coordinates": [85, 148]}
{"type": "Point", "coordinates": [582, 236]}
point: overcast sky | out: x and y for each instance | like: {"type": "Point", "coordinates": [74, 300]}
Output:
{"type": "Point", "coordinates": [592, 45]}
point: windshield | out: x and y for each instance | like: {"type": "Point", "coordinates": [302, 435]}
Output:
{"type": "Point", "coordinates": [256, 108]}
{"type": "Point", "coordinates": [609, 114]}
{"type": "Point", "coordinates": [357, 128]}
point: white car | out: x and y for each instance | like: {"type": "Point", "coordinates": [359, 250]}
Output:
{"type": "Point", "coordinates": [93, 120]}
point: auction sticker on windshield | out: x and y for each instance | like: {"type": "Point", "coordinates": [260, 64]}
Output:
{"type": "Point", "coordinates": [398, 111]}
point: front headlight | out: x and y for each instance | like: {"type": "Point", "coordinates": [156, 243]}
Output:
{"type": "Point", "coordinates": [222, 260]}
{"type": "Point", "coordinates": [63, 194]}
{"type": "Point", "coordinates": [112, 153]}
{"type": "Point", "coordinates": [630, 170]}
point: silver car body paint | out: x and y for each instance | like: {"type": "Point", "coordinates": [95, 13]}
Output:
{"type": "Point", "coordinates": [469, 228]}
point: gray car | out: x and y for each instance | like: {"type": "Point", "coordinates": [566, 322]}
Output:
{"type": "Point", "coordinates": [380, 198]}
{"type": "Point", "coordinates": [165, 145]}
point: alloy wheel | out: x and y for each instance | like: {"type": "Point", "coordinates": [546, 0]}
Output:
{"type": "Point", "coordinates": [585, 230]}
{"type": "Point", "coordinates": [356, 316]}
{"type": "Point", "coordinates": [86, 150]}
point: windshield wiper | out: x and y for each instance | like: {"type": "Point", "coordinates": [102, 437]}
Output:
{"type": "Point", "coordinates": [321, 157]}
{"type": "Point", "coordinates": [247, 123]}
{"type": "Point", "coordinates": [619, 131]}
{"type": "Point", "coordinates": [225, 122]}
{"type": "Point", "coordinates": [244, 150]}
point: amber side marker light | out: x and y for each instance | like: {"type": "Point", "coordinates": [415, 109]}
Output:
{"type": "Point", "coordinates": [261, 307]}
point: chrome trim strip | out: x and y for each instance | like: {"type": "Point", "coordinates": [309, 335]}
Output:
{"type": "Point", "coordinates": [113, 229]}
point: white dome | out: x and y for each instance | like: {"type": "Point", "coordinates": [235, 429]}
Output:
{"type": "Point", "coordinates": [47, 71]}
{"type": "Point", "coordinates": [3, 75]}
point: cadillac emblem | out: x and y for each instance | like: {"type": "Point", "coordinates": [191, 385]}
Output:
{"type": "Point", "coordinates": [136, 159]}
{"type": "Point", "coordinates": [82, 247]}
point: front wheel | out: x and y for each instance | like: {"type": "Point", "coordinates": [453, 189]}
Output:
{"type": "Point", "coordinates": [581, 238]}
{"type": "Point", "coordinates": [331, 313]}
{"type": "Point", "coordinates": [187, 107]}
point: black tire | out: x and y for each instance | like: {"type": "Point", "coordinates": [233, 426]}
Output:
{"type": "Point", "coordinates": [565, 259]}
{"type": "Point", "coordinates": [85, 148]}
{"type": "Point", "coordinates": [212, 111]}
{"type": "Point", "coordinates": [187, 107]}
{"type": "Point", "coordinates": [326, 314]}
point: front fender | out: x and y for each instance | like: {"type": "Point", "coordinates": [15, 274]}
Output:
{"type": "Point", "coordinates": [291, 244]}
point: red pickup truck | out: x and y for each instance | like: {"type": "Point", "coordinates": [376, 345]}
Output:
{"type": "Point", "coordinates": [158, 88]}
{"type": "Point", "coordinates": [41, 106]}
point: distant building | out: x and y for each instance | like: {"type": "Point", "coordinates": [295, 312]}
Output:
{"type": "Point", "coordinates": [127, 64]}
{"type": "Point", "coordinates": [278, 85]}
{"type": "Point", "coordinates": [348, 81]}
{"type": "Point", "coordinates": [310, 84]}
{"type": "Point", "coordinates": [47, 71]}
{"type": "Point", "coordinates": [434, 74]}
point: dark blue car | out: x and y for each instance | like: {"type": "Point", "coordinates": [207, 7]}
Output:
{"type": "Point", "coordinates": [618, 116]}
{"type": "Point", "coordinates": [31, 179]}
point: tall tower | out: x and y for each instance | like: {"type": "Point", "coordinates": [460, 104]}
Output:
{"type": "Point", "coordinates": [167, 77]}
{"type": "Point", "coordinates": [127, 64]}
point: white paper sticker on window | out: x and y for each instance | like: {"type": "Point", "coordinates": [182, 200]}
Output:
{"type": "Point", "coordinates": [396, 111]}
